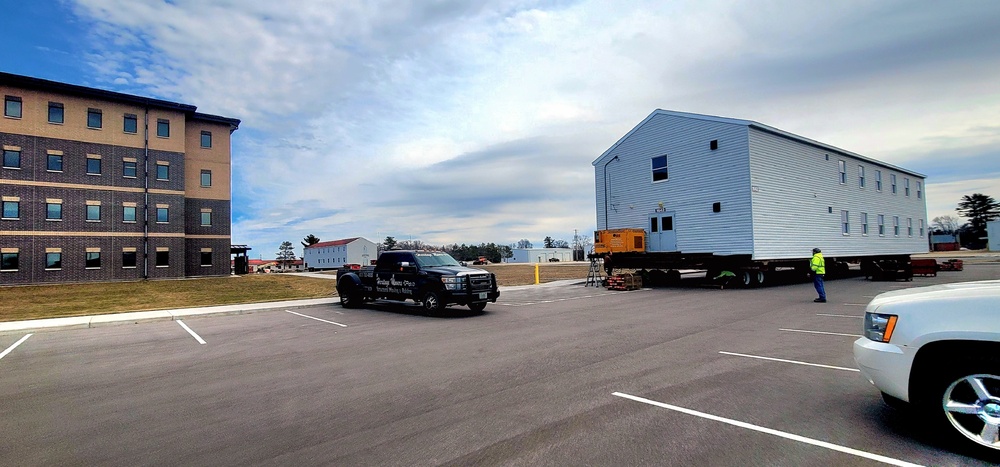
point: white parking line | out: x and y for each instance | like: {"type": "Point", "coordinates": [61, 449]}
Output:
{"type": "Point", "coordinates": [317, 319]}
{"type": "Point", "coordinates": [781, 434]}
{"type": "Point", "coordinates": [193, 334]}
{"type": "Point", "coordinates": [821, 332]}
{"type": "Point", "coordinates": [11, 348]}
{"type": "Point", "coordinates": [855, 304]}
{"type": "Point", "coordinates": [840, 316]}
{"type": "Point", "coordinates": [789, 361]}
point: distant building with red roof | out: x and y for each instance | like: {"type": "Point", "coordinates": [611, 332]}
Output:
{"type": "Point", "coordinates": [335, 254]}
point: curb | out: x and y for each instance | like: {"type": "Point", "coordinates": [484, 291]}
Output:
{"type": "Point", "coordinates": [136, 317]}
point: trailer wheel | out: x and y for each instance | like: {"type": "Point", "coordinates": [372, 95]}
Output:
{"type": "Point", "coordinates": [758, 277]}
{"type": "Point", "coordinates": [744, 278]}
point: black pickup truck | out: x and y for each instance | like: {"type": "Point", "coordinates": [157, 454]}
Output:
{"type": "Point", "coordinates": [431, 278]}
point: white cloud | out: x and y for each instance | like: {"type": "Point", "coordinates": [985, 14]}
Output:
{"type": "Point", "coordinates": [477, 121]}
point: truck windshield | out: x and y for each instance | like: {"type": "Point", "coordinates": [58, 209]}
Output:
{"type": "Point", "coordinates": [430, 260]}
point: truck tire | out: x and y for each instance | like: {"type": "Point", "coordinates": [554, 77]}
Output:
{"type": "Point", "coordinates": [964, 403]}
{"type": "Point", "coordinates": [477, 307]}
{"type": "Point", "coordinates": [350, 296]}
{"type": "Point", "coordinates": [432, 301]}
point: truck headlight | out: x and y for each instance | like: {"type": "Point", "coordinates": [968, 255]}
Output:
{"type": "Point", "coordinates": [879, 327]}
{"type": "Point", "coordinates": [453, 282]}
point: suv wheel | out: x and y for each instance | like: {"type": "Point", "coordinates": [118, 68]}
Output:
{"type": "Point", "coordinates": [349, 296]}
{"type": "Point", "coordinates": [432, 302]}
{"type": "Point", "coordinates": [968, 404]}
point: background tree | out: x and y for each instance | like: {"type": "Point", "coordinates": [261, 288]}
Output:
{"type": "Point", "coordinates": [523, 243]}
{"type": "Point", "coordinates": [560, 244]}
{"type": "Point", "coordinates": [946, 224]}
{"type": "Point", "coordinates": [286, 254]}
{"type": "Point", "coordinates": [547, 242]}
{"type": "Point", "coordinates": [979, 209]}
{"type": "Point", "coordinates": [310, 241]}
{"type": "Point", "coordinates": [389, 243]}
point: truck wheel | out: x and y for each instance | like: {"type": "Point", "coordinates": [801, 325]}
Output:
{"type": "Point", "coordinates": [477, 307]}
{"type": "Point", "coordinates": [967, 404]}
{"type": "Point", "coordinates": [432, 302]}
{"type": "Point", "coordinates": [350, 297]}
{"type": "Point", "coordinates": [744, 278]}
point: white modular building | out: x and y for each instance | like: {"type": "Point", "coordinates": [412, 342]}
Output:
{"type": "Point", "coordinates": [540, 255]}
{"type": "Point", "coordinates": [699, 184]}
{"type": "Point", "coordinates": [337, 253]}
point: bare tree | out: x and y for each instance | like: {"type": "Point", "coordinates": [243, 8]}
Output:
{"type": "Point", "coordinates": [946, 224]}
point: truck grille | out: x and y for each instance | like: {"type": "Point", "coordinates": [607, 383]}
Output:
{"type": "Point", "coordinates": [480, 282]}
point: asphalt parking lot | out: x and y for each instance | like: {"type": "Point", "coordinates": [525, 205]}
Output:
{"type": "Point", "coordinates": [551, 375]}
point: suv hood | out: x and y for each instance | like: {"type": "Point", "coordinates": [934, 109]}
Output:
{"type": "Point", "coordinates": [455, 270]}
{"type": "Point", "coordinates": [952, 295]}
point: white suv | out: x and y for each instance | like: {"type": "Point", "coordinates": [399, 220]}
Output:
{"type": "Point", "coordinates": [938, 349]}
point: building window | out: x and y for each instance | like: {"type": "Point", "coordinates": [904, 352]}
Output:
{"type": "Point", "coordinates": [128, 214]}
{"type": "Point", "coordinates": [659, 168]}
{"type": "Point", "coordinates": [206, 178]}
{"type": "Point", "coordinates": [9, 262]}
{"type": "Point", "coordinates": [895, 225]}
{"type": "Point", "coordinates": [861, 176]}
{"type": "Point", "coordinates": [162, 258]}
{"type": "Point", "coordinates": [163, 128]}
{"type": "Point", "coordinates": [53, 260]}
{"type": "Point", "coordinates": [892, 183]}
{"type": "Point", "coordinates": [920, 190]}
{"type": "Point", "coordinates": [206, 258]}
{"type": "Point", "coordinates": [12, 106]}
{"type": "Point", "coordinates": [906, 186]}
{"type": "Point", "coordinates": [162, 215]}
{"type": "Point", "coordinates": [162, 171]}
{"type": "Point", "coordinates": [921, 227]}
{"type": "Point", "coordinates": [206, 139]}
{"type": "Point", "coordinates": [845, 223]}
{"type": "Point", "coordinates": [11, 159]}
{"type": "Point", "coordinates": [93, 165]}
{"type": "Point", "coordinates": [128, 169]}
{"type": "Point", "coordinates": [131, 124]}
{"type": "Point", "coordinates": [93, 213]}
{"type": "Point", "coordinates": [206, 218]}
{"type": "Point", "coordinates": [56, 112]}
{"type": "Point", "coordinates": [94, 118]}
{"type": "Point", "coordinates": [93, 260]}
{"type": "Point", "coordinates": [53, 211]}
{"type": "Point", "coordinates": [864, 223]}
{"type": "Point", "coordinates": [12, 210]}
{"type": "Point", "coordinates": [843, 172]}
{"type": "Point", "coordinates": [881, 225]}
{"type": "Point", "coordinates": [878, 180]}
{"type": "Point", "coordinates": [128, 259]}
{"type": "Point", "coordinates": [54, 163]}
{"type": "Point", "coordinates": [909, 226]}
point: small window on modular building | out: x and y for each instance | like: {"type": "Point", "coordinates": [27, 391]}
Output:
{"type": "Point", "coordinates": [881, 225]}
{"type": "Point", "coordinates": [920, 190]}
{"type": "Point", "coordinates": [906, 186]}
{"type": "Point", "coordinates": [206, 139]}
{"type": "Point", "coordinates": [895, 225]}
{"type": "Point", "coordinates": [845, 222]}
{"type": "Point", "coordinates": [163, 128]}
{"type": "Point", "coordinates": [94, 118]}
{"type": "Point", "coordinates": [843, 172]}
{"type": "Point", "coordinates": [130, 124]}
{"type": "Point", "coordinates": [892, 183]}
{"type": "Point", "coordinates": [878, 180]}
{"type": "Point", "coordinates": [864, 223]}
{"type": "Point", "coordinates": [861, 176]}
{"type": "Point", "coordinates": [921, 227]}
{"type": "Point", "coordinates": [659, 166]}
{"type": "Point", "coordinates": [57, 113]}
{"type": "Point", "coordinates": [909, 226]}
{"type": "Point", "coordinates": [12, 106]}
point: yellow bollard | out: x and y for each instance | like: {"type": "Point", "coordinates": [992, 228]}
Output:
{"type": "Point", "coordinates": [536, 273]}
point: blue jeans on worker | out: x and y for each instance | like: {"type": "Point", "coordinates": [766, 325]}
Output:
{"type": "Point", "coordinates": [818, 282]}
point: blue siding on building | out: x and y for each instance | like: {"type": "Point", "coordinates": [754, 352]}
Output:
{"type": "Point", "coordinates": [775, 189]}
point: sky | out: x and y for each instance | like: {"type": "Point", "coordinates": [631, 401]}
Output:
{"type": "Point", "coordinates": [450, 121]}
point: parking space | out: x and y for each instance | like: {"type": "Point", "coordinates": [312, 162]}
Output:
{"type": "Point", "coordinates": [561, 374]}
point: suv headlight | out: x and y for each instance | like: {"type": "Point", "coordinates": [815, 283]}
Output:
{"type": "Point", "coordinates": [453, 282]}
{"type": "Point", "coordinates": [879, 327]}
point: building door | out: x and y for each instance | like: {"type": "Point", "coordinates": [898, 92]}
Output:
{"type": "Point", "coordinates": [662, 236]}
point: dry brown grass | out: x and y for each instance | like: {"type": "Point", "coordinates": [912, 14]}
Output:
{"type": "Point", "coordinates": [54, 301]}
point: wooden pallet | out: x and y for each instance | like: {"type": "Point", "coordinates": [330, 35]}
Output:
{"type": "Point", "coordinates": [624, 282]}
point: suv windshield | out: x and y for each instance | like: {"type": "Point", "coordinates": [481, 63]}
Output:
{"type": "Point", "coordinates": [430, 260]}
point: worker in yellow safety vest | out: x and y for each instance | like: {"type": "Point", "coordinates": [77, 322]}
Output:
{"type": "Point", "coordinates": [818, 266]}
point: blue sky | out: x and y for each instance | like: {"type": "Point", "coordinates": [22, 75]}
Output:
{"type": "Point", "coordinates": [476, 121]}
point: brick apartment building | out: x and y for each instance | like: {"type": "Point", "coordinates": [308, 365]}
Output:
{"type": "Point", "coordinates": [103, 186]}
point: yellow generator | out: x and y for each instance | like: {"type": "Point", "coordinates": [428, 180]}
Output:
{"type": "Point", "coordinates": [619, 241]}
